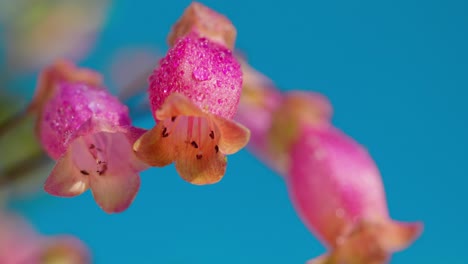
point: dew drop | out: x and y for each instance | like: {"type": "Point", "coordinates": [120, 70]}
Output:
{"type": "Point", "coordinates": [201, 74]}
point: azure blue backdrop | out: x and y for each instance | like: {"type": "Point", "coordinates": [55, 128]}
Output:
{"type": "Point", "coordinates": [397, 75]}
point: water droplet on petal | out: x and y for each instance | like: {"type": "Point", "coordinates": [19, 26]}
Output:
{"type": "Point", "coordinates": [201, 74]}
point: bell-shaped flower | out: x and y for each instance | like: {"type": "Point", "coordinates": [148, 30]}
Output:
{"type": "Point", "coordinates": [194, 93]}
{"type": "Point", "coordinates": [337, 190]}
{"type": "Point", "coordinates": [89, 133]}
{"type": "Point", "coordinates": [206, 23]}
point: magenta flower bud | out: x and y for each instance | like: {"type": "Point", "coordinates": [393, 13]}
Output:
{"type": "Point", "coordinates": [89, 133]}
{"type": "Point", "coordinates": [337, 190]}
{"type": "Point", "coordinates": [193, 94]}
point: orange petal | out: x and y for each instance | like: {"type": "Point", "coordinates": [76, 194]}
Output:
{"type": "Point", "coordinates": [206, 169]}
{"type": "Point", "coordinates": [65, 179]}
{"type": "Point", "coordinates": [207, 23]}
{"type": "Point", "coordinates": [154, 149]}
{"type": "Point", "coordinates": [233, 136]}
{"type": "Point", "coordinates": [396, 236]}
{"type": "Point", "coordinates": [177, 104]}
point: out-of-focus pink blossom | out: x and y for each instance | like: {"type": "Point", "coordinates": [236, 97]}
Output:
{"type": "Point", "coordinates": [206, 23]}
{"type": "Point", "coordinates": [89, 133]}
{"type": "Point", "coordinates": [37, 32]}
{"type": "Point", "coordinates": [337, 190]}
{"type": "Point", "coordinates": [194, 93]}
{"type": "Point", "coordinates": [19, 243]}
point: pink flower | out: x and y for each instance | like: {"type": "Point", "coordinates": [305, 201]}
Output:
{"type": "Point", "coordinates": [337, 190]}
{"type": "Point", "coordinates": [19, 243]}
{"type": "Point", "coordinates": [193, 94]}
{"type": "Point", "coordinates": [206, 23]}
{"type": "Point", "coordinates": [89, 133]}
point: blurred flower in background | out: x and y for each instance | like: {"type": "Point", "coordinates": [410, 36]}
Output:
{"type": "Point", "coordinates": [40, 31]}
{"type": "Point", "coordinates": [19, 243]}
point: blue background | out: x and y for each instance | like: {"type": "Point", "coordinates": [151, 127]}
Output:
{"type": "Point", "coordinates": [397, 75]}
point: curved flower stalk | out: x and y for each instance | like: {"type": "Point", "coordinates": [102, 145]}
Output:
{"type": "Point", "coordinates": [19, 243]}
{"type": "Point", "coordinates": [89, 133]}
{"type": "Point", "coordinates": [337, 190]}
{"type": "Point", "coordinates": [193, 94]}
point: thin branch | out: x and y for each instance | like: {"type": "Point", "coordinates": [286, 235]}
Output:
{"type": "Point", "coordinates": [21, 169]}
{"type": "Point", "coordinates": [13, 121]}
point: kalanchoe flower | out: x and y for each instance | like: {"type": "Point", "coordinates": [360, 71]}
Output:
{"type": "Point", "coordinates": [337, 190]}
{"type": "Point", "coordinates": [206, 23]}
{"type": "Point", "coordinates": [89, 133]}
{"type": "Point", "coordinates": [19, 243]}
{"type": "Point", "coordinates": [193, 94]}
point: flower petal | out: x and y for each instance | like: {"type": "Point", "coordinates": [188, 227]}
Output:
{"type": "Point", "coordinates": [115, 187]}
{"type": "Point", "coordinates": [66, 180]}
{"type": "Point", "coordinates": [177, 104]}
{"type": "Point", "coordinates": [152, 150]}
{"type": "Point", "coordinates": [396, 236]}
{"type": "Point", "coordinates": [114, 192]}
{"type": "Point", "coordinates": [234, 136]}
{"type": "Point", "coordinates": [203, 169]}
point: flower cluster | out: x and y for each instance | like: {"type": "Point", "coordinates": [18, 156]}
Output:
{"type": "Point", "coordinates": [194, 93]}
{"type": "Point", "coordinates": [333, 182]}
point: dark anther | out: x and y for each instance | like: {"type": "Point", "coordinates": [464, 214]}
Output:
{"type": "Point", "coordinates": [216, 148]}
{"type": "Point", "coordinates": [194, 144]}
{"type": "Point", "coordinates": [164, 132]}
{"type": "Point", "coordinates": [212, 134]}
{"type": "Point", "coordinates": [103, 169]}
{"type": "Point", "coordinates": [199, 156]}
{"type": "Point", "coordinates": [84, 172]}
{"type": "Point", "coordinates": [92, 146]}
{"type": "Point", "coordinates": [173, 118]}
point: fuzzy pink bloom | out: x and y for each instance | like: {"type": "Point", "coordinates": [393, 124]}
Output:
{"type": "Point", "coordinates": [193, 94]}
{"type": "Point", "coordinates": [337, 190]}
{"type": "Point", "coordinates": [205, 22]}
{"type": "Point", "coordinates": [19, 243]}
{"type": "Point", "coordinates": [89, 133]}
